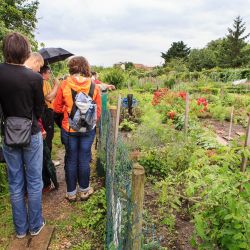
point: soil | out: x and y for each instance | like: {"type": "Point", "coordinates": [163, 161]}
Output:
{"type": "Point", "coordinates": [56, 209]}
{"type": "Point", "coordinates": [179, 238]}
{"type": "Point", "coordinates": [61, 210]}
{"type": "Point", "coordinates": [222, 128]}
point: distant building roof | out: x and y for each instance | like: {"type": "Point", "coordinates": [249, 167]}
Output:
{"type": "Point", "coordinates": [136, 65]}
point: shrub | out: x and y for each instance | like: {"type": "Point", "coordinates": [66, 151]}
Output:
{"type": "Point", "coordinates": [115, 77]}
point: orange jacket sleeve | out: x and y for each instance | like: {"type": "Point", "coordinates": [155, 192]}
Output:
{"type": "Point", "coordinates": [58, 102]}
{"type": "Point", "coordinates": [98, 101]}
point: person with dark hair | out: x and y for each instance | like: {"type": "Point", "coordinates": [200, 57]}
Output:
{"type": "Point", "coordinates": [77, 134]}
{"type": "Point", "coordinates": [21, 98]}
{"type": "Point", "coordinates": [49, 96]}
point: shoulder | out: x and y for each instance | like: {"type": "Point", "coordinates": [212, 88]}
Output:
{"type": "Point", "coordinates": [33, 75]}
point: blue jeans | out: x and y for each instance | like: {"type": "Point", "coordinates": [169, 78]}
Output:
{"type": "Point", "coordinates": [77, 159]}
{"type": "Point", "coordinates": [26, 163]}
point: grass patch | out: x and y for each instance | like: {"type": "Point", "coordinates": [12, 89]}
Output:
{"type": "Point", "coordinates": [57, 143]}
{"type": "Point", "coordinates": [6, 224]}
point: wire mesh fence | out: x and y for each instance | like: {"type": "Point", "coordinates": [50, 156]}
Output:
{"type": "Point", "coordinates": [124, 182]}
{"type": "Point", "coordinates": [114, 160]}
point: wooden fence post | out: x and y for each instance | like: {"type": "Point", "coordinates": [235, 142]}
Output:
{"type": "Point", "coordinates": [115, 117]}
{"type": "Point", "coordinates": [231, 123]}
{"type": "Point", "coordinates": [186, 114]}
{"type": "Point", "coordinates": [247, 143]}
{"type": "Point", "coordinates": [138, 179]}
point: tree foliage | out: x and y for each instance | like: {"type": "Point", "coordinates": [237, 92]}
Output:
{"type": "Point", "coordinates": [199, 59]}
{"type": "Point", "coordinates": [227, 52]}
{"type": "Point", "coordinates": [20, 16]}
{"type": "Point", "coordinates": [177, 50]}
{"type": "Point", "coordinates": [236, 42]}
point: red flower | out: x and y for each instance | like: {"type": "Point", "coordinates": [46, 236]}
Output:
{"type": "Point", "coordinates": [182, 94]}
{"type": "Point", "coordinates": [171, 114]}
{"type": "Point", "coordinates": [158, 95]}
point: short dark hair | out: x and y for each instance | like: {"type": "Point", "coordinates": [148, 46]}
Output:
{"type": "Point", "coordinates": [79, 64]}
{"type": "Point", "coordinates": [16, 48]}
{"type": "Point", "coordinates": [93, 73]}
{"type": "Point", "coordinates": [44, 69]}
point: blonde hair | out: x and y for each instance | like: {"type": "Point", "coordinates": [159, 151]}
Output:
{"type": "Point", "coordinates": [36, 57]}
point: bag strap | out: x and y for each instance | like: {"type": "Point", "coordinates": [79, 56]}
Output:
{"type": "Point", "coordinates": [91, 89]}
{"type": "Point", "coordinates": [74, 108]}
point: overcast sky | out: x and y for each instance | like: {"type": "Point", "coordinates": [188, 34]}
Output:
{"type": "Point", "coordinates": [107, 32]}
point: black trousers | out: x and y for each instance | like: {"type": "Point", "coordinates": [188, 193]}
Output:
{"type": "Point", "coordinates": [48, 123]}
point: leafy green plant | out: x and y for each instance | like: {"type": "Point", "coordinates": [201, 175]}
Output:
{"type": "Point", "coordinates": [93, 214]}
{"type": "Point", "coordinates": [126, 125]}
{"type": "Point", "coordinates": [222, 217]}
{"type": "Point", "coordinates": [3, 179]}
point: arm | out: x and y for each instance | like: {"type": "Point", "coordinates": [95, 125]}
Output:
{"type": "Point", "coordinates": [59, 102]}
{"type": "Point", "coordinates": [58, 107]}
{"type": "Point", "coordinates": [51, 96]}
{"type": "Point", "coordinates": [98, 101]}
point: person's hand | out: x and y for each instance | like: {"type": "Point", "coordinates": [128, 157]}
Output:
{"type": "Point", "coordinates": [111, 87]}
{"type": "Point", "coordinates": [56, 81]}
{"type": "Point", "coordinates": [44, 134]}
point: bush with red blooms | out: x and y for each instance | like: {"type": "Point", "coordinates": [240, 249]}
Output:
{"type": "Point", "coordinates": [158, 96]}
{"type": "Point", "coordinates": [202, 102]}
{"type": "Point", "coordinates": [171, 105]}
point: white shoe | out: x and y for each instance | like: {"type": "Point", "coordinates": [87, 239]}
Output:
{"type": "Point", "coordinates": [39, 230]}
{"type": "Point", "coordinates": [56, 163]}
{"type": "Point", "coordinates": [85, 195]}
{"type": "Point", "coordinates": [21, 236]}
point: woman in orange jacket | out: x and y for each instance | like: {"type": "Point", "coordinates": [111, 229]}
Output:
{"type": "Point", "coordinates": [77, 142]}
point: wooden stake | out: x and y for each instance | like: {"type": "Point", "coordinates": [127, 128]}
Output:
{"type": "Point", "coordinates": [118, 112]}
{"type": "Point", "coordinates": [115, 117]}
{"type": "Point", "coordinates": [138, 179]}
{"type": "Point", "coordinates": [186, 114]}
{"type": "Point", "coordinates": [247, 143]}
{"type": "Point", "coordinates": [231, 123]}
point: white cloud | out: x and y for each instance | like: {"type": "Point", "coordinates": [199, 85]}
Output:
{"type": "Point", "coordinates": [110, 31]}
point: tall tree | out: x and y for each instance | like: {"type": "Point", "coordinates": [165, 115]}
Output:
{"type": "Point", "coordinates": [177, 50]}
{"type": "Point", "coordinates": [236, 42]}
{"type": "Point", "coordinates": [18, 15]}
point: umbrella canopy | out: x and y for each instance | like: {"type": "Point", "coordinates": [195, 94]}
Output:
{"type": "Point", "coordinates": [52, 55]}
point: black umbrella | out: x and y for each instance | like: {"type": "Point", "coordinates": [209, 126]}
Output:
{"type": "Point", "coordinates": [52, 55]}
{"type": "Point", "coordinates": [49, 170]}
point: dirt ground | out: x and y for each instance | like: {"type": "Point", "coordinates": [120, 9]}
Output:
{"type": "Point", "coordinates": [222, 128]}
{"type": "Point", "coordinates": [57, 211]}
{"type": "Point", "coordinates": [179, 238]}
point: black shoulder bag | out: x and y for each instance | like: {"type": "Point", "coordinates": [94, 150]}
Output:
{"type": "Point", "coordinates": [17, 131]}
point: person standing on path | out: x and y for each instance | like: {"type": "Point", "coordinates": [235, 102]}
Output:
{"type": "Point", "coordinates": [49, 95]}
{"type": "Point", "coordinates": [77, 143]}
{"type": "Point", "coordinates": [35, 62]}
{"type": "Point", "coordinates": [21, 97]}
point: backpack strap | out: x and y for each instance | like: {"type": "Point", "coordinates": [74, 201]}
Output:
{"type": "Point", "coordinates": [91, 89]}
{"type": "Point", "coordinates": [74, 108]}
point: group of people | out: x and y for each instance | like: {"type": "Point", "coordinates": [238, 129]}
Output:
{"type": "Point", "coordinates": [30, 105]}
